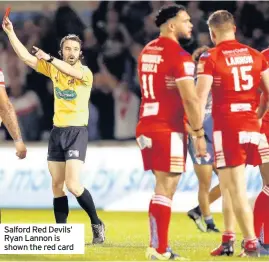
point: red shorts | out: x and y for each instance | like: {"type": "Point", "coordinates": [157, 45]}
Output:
{"type": "Point", "coordinates": [163, 151]}
{"type": "Point", "coordinates": [264, 146]}
{"type": "Point", "coordinates": [234, 148]}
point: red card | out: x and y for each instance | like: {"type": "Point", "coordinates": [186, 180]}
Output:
{"type": "Point", "coordinates": [7, 12]}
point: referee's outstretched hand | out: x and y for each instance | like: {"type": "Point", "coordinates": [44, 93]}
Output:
{"type": "Point", "coordinates": [7, 25]}
{"type": "Point", "coordinates": [40, 54]}
{"type": "Point", "coordinates": [20, 149]}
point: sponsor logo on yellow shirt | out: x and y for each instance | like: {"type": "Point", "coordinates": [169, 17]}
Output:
{"type": "Point", "coordinates": [65, 94]}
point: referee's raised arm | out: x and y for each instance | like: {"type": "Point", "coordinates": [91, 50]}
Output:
{"type": "Point", "coordinates": [18, 47]}
{"type": "Point", "coordinates": [61, 65]}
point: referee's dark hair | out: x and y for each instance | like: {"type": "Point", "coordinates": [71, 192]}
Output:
{"type": "Point", "coordinates": [167, 12]}
{"type": "Point", "coordinates": [72, 37]}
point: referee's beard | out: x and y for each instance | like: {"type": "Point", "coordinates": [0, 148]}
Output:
{"type": "Point", "coordinates": [71, 60]}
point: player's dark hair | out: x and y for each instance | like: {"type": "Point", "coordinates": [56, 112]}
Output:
{"type": "Point", "coordinates": [167, 12]}
{"type": "Point", "coordinates": [220, 19]}
{"type": "Point", "coordinates": [73, 38]}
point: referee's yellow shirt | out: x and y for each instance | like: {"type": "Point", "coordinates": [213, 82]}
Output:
{"type": "Point", "coordinates": [71, 96]}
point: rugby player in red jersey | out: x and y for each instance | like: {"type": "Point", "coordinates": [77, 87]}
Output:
{"type": "Point", "coordinates": [234, 72]}
{"type": "Point", "coordinates": [261, 208]}
{"type": "Point", "coordinates": [166, 74]}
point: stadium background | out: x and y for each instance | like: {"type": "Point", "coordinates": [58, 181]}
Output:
{"type": "Point", "coordinates": [113, 35]}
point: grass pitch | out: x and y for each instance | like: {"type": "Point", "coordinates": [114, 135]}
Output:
{"type": "Point", "coordinates": [127, 237]}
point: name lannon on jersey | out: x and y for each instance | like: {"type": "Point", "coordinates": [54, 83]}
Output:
{"type": "Point", "coordinates": [239, 60]}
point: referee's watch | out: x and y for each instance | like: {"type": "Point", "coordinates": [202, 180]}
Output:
{"type": "Point", "coordinates": [50, 59]}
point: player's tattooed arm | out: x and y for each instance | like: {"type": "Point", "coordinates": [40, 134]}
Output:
{"type": "Point", "coordinates": [8, 115]}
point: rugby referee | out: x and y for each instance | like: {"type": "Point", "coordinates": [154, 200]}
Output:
{"type": "Point", "coordinates": [67, 147]}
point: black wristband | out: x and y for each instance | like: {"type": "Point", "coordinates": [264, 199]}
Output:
{"type": "Point", "coordinates": [51, 59]}
{"type": "Point", "coordinates": [198, 129]}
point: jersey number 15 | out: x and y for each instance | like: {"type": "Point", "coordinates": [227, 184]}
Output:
{"type": "Point", "coordinates": [147, 84]}
{"type": "Point", "coordinates": [242, 73]}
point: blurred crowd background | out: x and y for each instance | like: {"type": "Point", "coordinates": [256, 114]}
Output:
{"type": "Point", "coordinates": [113, 34]}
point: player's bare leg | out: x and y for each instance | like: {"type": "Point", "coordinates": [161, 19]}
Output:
{"type": "Point", "coordinates": [166, 183]}
{"type": "Point", "coordinates": [264, 169]}
{"type": "Point", "coordinates": [60, 201]}
{"type": "Point", "coordinates": [233, 179]}
{"type": "Point", "coordinates": [204, 175]}
{"type": "Point", "coordinates": [261, 213]}
{"type": "Point", "coordinates": [84, 198]}
{"type": "Point", "coordinates": [159, 215]}
{"type": "Point", "coordinates": [228, 237]}
{"type": "Point", "coordinates": [227, 206]}
{"type": "Point", "coordinates": [214, 194]}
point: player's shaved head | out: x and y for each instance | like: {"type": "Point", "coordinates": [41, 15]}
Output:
{"type": "Point", "coordinates": [221, 20]}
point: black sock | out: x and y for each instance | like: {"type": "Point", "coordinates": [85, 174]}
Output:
{"type": "Point", "coordinates": [198, 210]}
{"type": "Point", "coordinates": [61, 209]}
{"type": "Point", "coordinates": [86, 202]}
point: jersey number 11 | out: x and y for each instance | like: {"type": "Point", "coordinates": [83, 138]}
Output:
{"type": "Point", "coordinates": [147, 82]}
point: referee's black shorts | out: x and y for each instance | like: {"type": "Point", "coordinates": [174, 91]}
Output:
{"type": "Point", "coordinates": [68, 143]}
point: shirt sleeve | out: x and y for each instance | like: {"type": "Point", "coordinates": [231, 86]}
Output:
{"type": "Point", "coordinates": [205, 65]}
{"type": "Point", "coordinates": [2, 79]}
{"type": "Point", "coordinates": [87, 77]}
{"type": "Point", "coordinates": [183, 67]}
{"type": "Point", "coordinates": [44, 68]}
